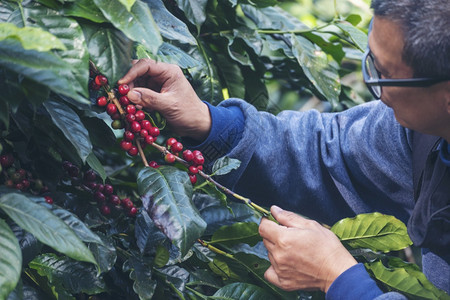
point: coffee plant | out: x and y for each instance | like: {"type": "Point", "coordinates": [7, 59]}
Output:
{"type": "Point", "coordinates": [99, 200]}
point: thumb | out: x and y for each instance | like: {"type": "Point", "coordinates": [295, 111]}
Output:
{"type": "Point", "coordinates": [287, 218]}
{"type": "Point", "coordinates": [146, 98]}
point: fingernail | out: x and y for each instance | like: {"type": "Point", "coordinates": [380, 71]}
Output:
{"type": "Point", "coordinates": [276, 209]}
{"type": "Point", "coordinates": [135, 95]}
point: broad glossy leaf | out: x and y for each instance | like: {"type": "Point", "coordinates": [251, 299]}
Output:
{"type": "Point", "coordinates": [43, 67]}
{"type": "Point", "coordinates": [256, 92]}
{"type": "Point", "coordinates": [374, 231]}
{"type": "Point", "coordinates": [141, 274]}
{"type": "Point", "coordinates": [45, 226]}
{"type": "Point", "coordinates": [232, 75]}
{"type": "Point", "coordinates": [78, 227]}
{"type": "Point", "coordinates": [69, 32]}
{"type": "Point", "coordinates": [29, 245]}
{"type": "Point", "coordinates": [6, 9]}
{"type": "Point", "coordinates": [166, 193]}
{"type": "Point", "coordinates": [272, 18]}
{"type": "Point", "coordinates": [170, 26]}
{"type": "Point", "coordinates": [70, 124]}
{"type": "Point", "coordinates": [137, 24]}
{"type": "Point", "coordinates": [146, 233]}
{"type": "Point", "coordinates": [127, 3]}
{"type": "Point", "coordinates": [31, 38]}
{"type": "Point", "coordinates": [316, 66]}
{"type": "Point", "coordinates": [104, 253]}
{"type": "Point", "coordinates": [225, 165]}
{"type": "Point", "coordinates": [162, 256]}
{"type": "Point", "coordinates": [195, 10]}
{"type": "Point", "coordinates": [334, 49]}
{"type": "Point", "coordinates": [241, 232]}
{"type": "Point", "coordinates": [73, 276]}
{"type": "Point", "coordinates": [109, 49]}
{"type": "Point", "coordinates": [242, 291]}
{"type": "Point", "coordinates": [356, 35]}
{"type": "Point", "coordinates": [176, 275]}
{"type": "Point", "coordinates": [85, 9]}
{"type": "Point", "coordinates": [169, 53]}
{"type": "Point", "coordinates": [11, 260]}
{"type": "Point", "coordinates": [399, 279]}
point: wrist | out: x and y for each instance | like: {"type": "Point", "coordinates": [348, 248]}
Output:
{"type": "Point", "coordinates": [202, 123]}
{"type": "Point", "coordinates": [339, 266]}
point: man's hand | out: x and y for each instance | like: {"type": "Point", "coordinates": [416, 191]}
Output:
{"type": "Point", "coordinates": [163, 87]}
{"type": "Point", "coordinates": [304, 254]}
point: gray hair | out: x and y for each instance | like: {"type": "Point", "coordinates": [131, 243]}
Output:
{"type": "Point", "coordinates": [426, 29]}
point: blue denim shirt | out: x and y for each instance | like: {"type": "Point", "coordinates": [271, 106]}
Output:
{"type": "Point", "coordinates": [326, 166]}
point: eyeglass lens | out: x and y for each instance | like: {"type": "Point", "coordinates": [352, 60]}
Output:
{"type": "Point", "coordinates": [373, 74]}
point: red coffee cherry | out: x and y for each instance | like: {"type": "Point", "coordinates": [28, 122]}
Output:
{"type": "Point", "coordinates": [131, 109]}
{"type": "Point", "coordinates": [99, 196]}
{"type": "Point", "coordinates": [126, 145]}
{"type": "Point", "coordinates": [115, 116]}
{"type": "Point", "coordinates": [127, 203]}
{"type": "Point", "coordinates": [128, 136]}
{"type": "Point", "coordinates": [140, 115]}
{"type": "Point", "coordinates": [102, 101]}
{"type": "Point", "coordinates": [101, 80]}
{"type": "Point", "coordinates": [188, 155]}
{"type": "Point", "coordinates": [153, 164]}
{"type": "Point", "coordinates": [146, 124]}
{"type": "Point", "coordinates": [123, 89]}
{"type": "Point", "coordinates": [130, 118]}
{"type": "Point", "coordinates": [193, 178]}
{"type": "Point", "coordinates": [114, 199]}
{"type": "Point", "coordinates": [143, 133]}
{"type": "Point", "coordinates": [197, 152]}
{"type": "Point", "coordinates": [193, 170]}
{"type": "Point", "coordinates": [133, 211]}
{"type": "Point", "coordinates": [170, 142]}
{"type": "Point", "coordinates": [93, 86]}
{"type": "Point", "coordinates": [108, 189]}
{"type": "Point", "coordinates": [170, 158]}
{"type": "Point", "coordinates": [200, 167]}
{"type": "Point", "coordinates": [149, 139]}
{"type": "Point", "coordinates": [154, 131]}
{"type": "Point", "coordinates": [105, 210]}
{"type": "Point", "coordinates": [48, 199]}
{"type": "Point", "coordinates": [199, 160]}
{"type": "Point", "coordinates": [135, 126]}
{"type": "Point", "coordinates": [124, 101]}
{"type": "Point", "coordinates": [25, 183]}
{"type": "Point", "coordinates": [111, 109]}
{"type": "Point", "coordinates": [6, 160]}
{"type": "Point", "coordinates": [176, 147]}
{"type": "Point", "coordinates": [133, 151]}
{"type": "Point", "coordinates": [90, 176]}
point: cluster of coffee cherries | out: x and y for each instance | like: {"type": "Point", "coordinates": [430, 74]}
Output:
{"type": "Point", "coordinates": [133, 121]}
{"type": "Point", "coordinates": [21, 179]}
{"type": "Point", "coordinates": [103, 194]}
{"type": "Point", "coordinates": [138, 128]}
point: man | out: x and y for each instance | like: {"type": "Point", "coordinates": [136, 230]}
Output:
{"type": "Point", "coordinates": [390, 156]}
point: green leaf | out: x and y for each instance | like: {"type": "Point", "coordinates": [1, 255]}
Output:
{"type": "Point", "coordinates": [127, 3]}
{"type": "Point", "coordinates": [162, 256]}
{"type": "Point", "coordinates": [225, 165]}
{"type": "Point", "coordinates": [237, 233]}
{"type": "Point", "coordinates": [356, 35]}
{"type": "Point", "coordinates": [137, 24]}
{"type": "Point", "coordinates": [43, 67]}
{"type": "Point", "coordinates": [146, 233]}
{"type": "Point", "coordinates": [241, 291]}
{"type": "Point", "coordinates": [333, 49]}
{"type": "Point", "coordinates": [10, 261]}
{"type": "Point", "coordinates": [45, 226]}
{"type": "Point", "coordinates": [70, 124]}
{"type": "Point", "coordinates": [316, 66]}
{"type": "Point", "coordinates": [141, 274]}
{"type": "Point", "coordinates": [194, 10]}
{"type": "Point", "coordinates": [169, 53]}
{"type": "Point", "coordinates": [232, 75]}
{"type": "Point", "coordinates": [31, 38]}
{"type": "Point", "coordinates": [109, 49]}
{"type": "Point", "coordinates": [272, 18]}
{"type": "Point", "coordinates": [72, 276]}
{"type": "Point", "coordinates": [85, 9]}
{"type": "Point", "coordinates": [69, 32]}
{"type": "Point", "coordinates": [353, 19]}
{"type": "Point", "coordinates": [96, 165]}
{"type": "Point", "coordinates": [104, 253]}
{"type": "Point", "coordinates": [406, 280]}
{"type": "Point", "coordinates": [374, 231]}
{"type": "Point", "coordinates": [170, 26]}
{"type": "Point", "coordinates": [166, 194]}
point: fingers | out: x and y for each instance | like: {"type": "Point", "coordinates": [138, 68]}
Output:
{"type": "Point", "coordinates": [288, 218]}
{"type": "Point", "coordinates": [269, 230]}
{"type": "Point", "coordinates": [146, 98]}
{"type": "Point", "coordinates": [147, 67]}
{"type": "Point", "coordinates": [271, 276]}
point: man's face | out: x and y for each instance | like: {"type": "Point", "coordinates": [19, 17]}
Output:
{"type": "Point", "coordinates": [425, 109]}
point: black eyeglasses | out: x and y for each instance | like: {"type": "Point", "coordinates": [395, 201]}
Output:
{"type": "Point", "coordinates": [372, 78]}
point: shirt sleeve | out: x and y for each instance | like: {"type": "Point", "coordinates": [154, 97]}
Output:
{"type": "Point", "coordinates": [326, 166]}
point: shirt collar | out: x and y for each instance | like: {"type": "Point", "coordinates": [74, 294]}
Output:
{"type": "Point", "coordinates": [444, 152]}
